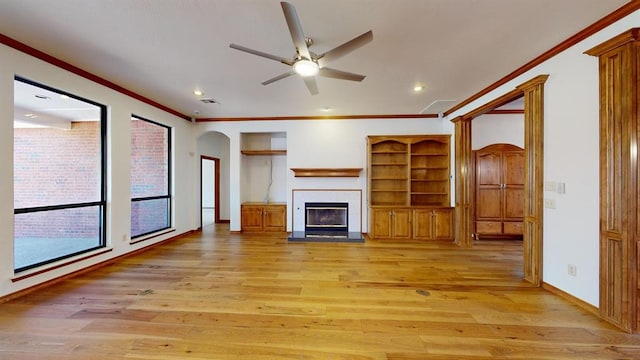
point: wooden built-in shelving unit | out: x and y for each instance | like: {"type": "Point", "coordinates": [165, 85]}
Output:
{"type": "Point", "coordinates": [409, 170]}
{"type": "Point", "coordinates": [409, 186]}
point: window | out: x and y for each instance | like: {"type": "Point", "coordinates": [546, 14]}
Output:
{"type": "Point", "coordinates": [150, 177]}
{"type": "Point", "coordinates": [58, 171]}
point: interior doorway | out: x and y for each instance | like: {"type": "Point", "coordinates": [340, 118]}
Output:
{"type": "Point", "coordinates": [533, 93]}
{"type": "Point", "coordinates": [209, 191]}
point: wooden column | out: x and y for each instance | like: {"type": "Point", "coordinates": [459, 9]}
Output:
{"type": "Point", "coordinates": [619, 236]}
{"type": "Point", "coordinates": [463, 228]}
{"type": "Point", "coordinates": [534, 177]}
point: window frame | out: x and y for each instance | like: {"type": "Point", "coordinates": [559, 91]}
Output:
{"type": "Point", "coordinates": [168, 196]}
{"type": "Point", "coordinates": [101, 203]}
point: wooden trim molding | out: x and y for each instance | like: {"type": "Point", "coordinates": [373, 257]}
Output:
{"type": "Point", "coordinates": [58, 266]}
{"type": "Point", "coordinates": [463, 229]}
{"type": "Point", "coordinates": [616, 15]}
{"type": "Point", "coordinates": [22, 47]}
{"type": "Point", "coordinates": [624, 38]}
{"type": "Point", "coordinates": [491, 105]}
{"type": "Point", "coordinates": [506, 112]}
{"type": "Point", "coordinates": [583, 304]}
{"type": "Point", "coordinates": [332, 117]}
{"type": "Point", "coordinates": [533, 91]}
{"type": "Point", "coordinates": [619, 89]}
{"type": "Point", "coordinates": [326, 172]}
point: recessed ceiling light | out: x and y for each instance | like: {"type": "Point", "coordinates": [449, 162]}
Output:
{"type": "Point", "coordinates": [326, 109]}
{"type": "Point", "coordinates": [198, 93]}
{"type": "Point", "coordinates": [418, 88]}
{"type": "Point", "coordinates": [64, 97]}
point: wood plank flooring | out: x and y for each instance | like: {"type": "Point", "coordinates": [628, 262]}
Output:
{"type": "Point", "coordinates": [219, 296]}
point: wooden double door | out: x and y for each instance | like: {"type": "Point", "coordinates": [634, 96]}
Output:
{"type": "Point", "coordinates": [499, 191]}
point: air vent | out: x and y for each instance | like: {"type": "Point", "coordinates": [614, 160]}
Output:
{"type": "Point", "coordinates": [438, 106]}
{"type": "Point", "coordinates": [209, 101]}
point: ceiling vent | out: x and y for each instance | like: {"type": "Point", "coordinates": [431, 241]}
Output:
{"type": "Point", "coordinates": [438, 106]}
{"type": "Point", "coordinates": [209, 101]}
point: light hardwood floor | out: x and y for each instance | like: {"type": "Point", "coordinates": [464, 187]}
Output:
{"type": "Point", "coordinates": [220, 296]}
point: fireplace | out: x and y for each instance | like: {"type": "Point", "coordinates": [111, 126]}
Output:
{"type": "Point", "coordinates": [331, 215]}
{"type": "Point", "coordinates": [326, 219]}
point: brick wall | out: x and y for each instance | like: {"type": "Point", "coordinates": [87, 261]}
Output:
{"type": "Point", "coordinates": [148, 159]}
{"type": "Point", "coordinates": [149, 167]}
{"type": "Point", "coordinates": [55, 167]}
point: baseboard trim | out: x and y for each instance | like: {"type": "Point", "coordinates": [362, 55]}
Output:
{"type": "Point", "coordinates": [581, 303]}
{"type": "Point", "coordinates": [87, 269]}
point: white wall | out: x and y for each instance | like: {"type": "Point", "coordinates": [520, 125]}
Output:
{"type": "Point", "coordinates": [496, 129]}
{"type": "Point", "coordinates": [315, 144]}
{"type": "Point", "coordinates": [120, 108]}
{"type": "Point", "coordinates": [571, 136]}
{"type": "Point", "coordinates": [208, 184]}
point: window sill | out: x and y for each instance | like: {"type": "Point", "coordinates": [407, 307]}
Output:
{"type": "Point", "coordinates": [62, 263]}
{"type": "Point", "coordinates": [151, 236]}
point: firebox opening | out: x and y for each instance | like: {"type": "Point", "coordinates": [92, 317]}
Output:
{"type": "Point", "coordinates": [328, 219]}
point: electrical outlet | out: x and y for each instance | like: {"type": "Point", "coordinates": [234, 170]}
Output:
{"type": "Point", "coordinates": [572, 270]}
{"type": "Point", "coordinates": [549, 186]}
{"type": "Point", "coordinates": [550, 203]}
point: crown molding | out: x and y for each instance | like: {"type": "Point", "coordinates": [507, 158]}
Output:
{"type": "Point", "coordinates": [22, 47]}
{"type": "Point", "coordinates": [616, 15]}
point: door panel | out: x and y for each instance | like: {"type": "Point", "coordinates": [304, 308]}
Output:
{"type": "Point", "coordinates": [488, 169]}
{"type": "Point", "coordinates": [488, 204]}
{"type": "Point", "coordinates": [513, 203]}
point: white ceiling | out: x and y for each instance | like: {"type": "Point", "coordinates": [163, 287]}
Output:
{"type": "Point", "coordinates": [164, 49]}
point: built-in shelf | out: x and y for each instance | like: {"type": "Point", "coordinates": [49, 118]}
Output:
{"type": "Point", "coordinates": [326, 172]}
{"type": "Point", "coordinates": [263, 152]}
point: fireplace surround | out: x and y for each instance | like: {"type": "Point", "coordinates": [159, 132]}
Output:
{"type": "Point", "coordinates": [351, 199]}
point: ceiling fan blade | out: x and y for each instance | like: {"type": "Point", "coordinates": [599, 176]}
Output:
{"type": "Point", "coordinates": [345, 48]}
{"type": "Point", "coordinates": [342, 75]}
{"type": "Point", "coordinates": [295, 29]}
{"type": "Point", "coordinates": [310, 81]}
{"type": "Point", "coordinates": [263, 54]}
{"type": "Point", "coordinates": [279, 77]}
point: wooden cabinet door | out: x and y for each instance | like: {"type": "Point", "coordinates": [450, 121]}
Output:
{"type": "Point", "coordinates": [275, 218]}
{"type": "Point", "coordinates": [513, 180]}
{"type": "Point", "coordinates": [251, 218]}
{"type": "Point", "coordinates": [401, 224]}
{"type": "Point", "coordinates": [499, 205]}
{"type": "Point", "coordinates": [442, 227]}
{"type": "Point", "coordinates": [488, 186]}
{"type": "Point", "coordinates": [422, 224]}
{"type": "Point", "coordinates": [381, 222]}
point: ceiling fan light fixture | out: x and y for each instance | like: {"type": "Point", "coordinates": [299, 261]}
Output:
{"type": "Point", "coordinates": [305, 67]}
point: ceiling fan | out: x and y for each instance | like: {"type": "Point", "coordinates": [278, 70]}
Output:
{"type": "Point", "coordinates": [305, 62]}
